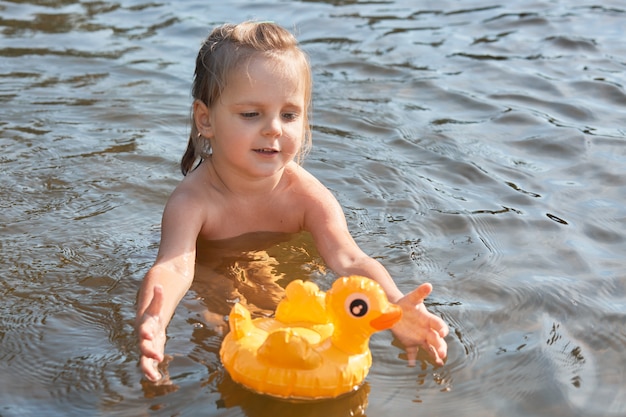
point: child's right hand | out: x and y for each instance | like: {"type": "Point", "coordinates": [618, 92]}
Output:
{"type": "Point", "coordinates": [151, 333]}
{"type": "Point", "coordinates": [419, 328]}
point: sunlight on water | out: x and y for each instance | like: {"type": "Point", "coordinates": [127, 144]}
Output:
{"type": "Point", "coordinates": [478, 146]}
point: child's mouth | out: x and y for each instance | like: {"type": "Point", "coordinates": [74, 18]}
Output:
{"type": "Point", "coordinates": [266, 151]}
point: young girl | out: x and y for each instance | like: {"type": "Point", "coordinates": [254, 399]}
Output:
{"type": "Point", "coordinates": [252, 94]}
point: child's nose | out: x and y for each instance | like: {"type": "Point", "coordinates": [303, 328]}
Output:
{"type": "Point", "coordinates": [273, 127]}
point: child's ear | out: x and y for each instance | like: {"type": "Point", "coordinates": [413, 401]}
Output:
{"type": "Point", "coordinates": [202, 117]}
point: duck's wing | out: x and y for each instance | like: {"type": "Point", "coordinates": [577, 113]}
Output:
{"type": "Point", "coordinates": [287, 348]}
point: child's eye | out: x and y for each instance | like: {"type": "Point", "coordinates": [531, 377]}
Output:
{"type": "Point", "coordinates": [290, 116]}
{"type": "Point", "coordinates": [249, 115]}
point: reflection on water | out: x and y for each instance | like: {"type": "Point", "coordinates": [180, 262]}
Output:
{"type": "Point", "coordinates": [253, 269]}
{"type": "Point", "coordinates": [479, 146]}
{"type": "Point", "coordinates": [353, 404]}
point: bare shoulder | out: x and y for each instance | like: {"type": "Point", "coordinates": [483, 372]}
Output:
{"type": "Point", "coordinates": [187, 194]}
{"type": "Point", "coordinates": [308, 186]}
{"type": "Point", "coordinates": [188, 202]}
{"type": "Point", "coordinates": [320, 205]}
{"type": "Point", "coordinates": [325, 220]}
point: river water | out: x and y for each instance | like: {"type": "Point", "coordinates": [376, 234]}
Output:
{"type": "Point", "coordinates": [478, 145]}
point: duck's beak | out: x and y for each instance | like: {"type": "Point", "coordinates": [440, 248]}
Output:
{"type": "Point", "coordinates": [387, 319]}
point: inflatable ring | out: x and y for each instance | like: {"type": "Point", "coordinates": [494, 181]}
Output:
{"type": "Point", "coordinates": [316, 346]}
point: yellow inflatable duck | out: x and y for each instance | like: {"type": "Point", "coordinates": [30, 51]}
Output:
{"type": "Point", "coordinates": [316, 346]}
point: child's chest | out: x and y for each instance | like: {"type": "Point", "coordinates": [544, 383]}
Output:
{"type": "Point", "coordinates": [263, 215]}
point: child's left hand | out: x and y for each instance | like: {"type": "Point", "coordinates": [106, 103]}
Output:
{"type": "Point", "coordinates": [421, 328]}
{"type": "Point", "coordinates": [151, 333]}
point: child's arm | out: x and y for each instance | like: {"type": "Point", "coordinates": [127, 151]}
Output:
{"type": "Point", "coordinates": [168, 280]}
{"type": "Point", "coordinates": [418, 327]}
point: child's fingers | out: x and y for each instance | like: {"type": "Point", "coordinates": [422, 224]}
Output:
{"type": "Point", "coordinates": [148, 348]}
{"type": "Point", "coordinates": [147, 330]}
{"type": "Point", "coordinates": [156, 304]}
{"type": "Point", "coordinates": [150, 369]}
{"type": "Point", "coordinates": [418, 295]}
{"type": "Point", "coordinates": [150, 339]}
{"type": "Point", "coordinates": [437, 347]}
{"type": "Point", "coordinates": [411, 355]}
{"type": "Point", "coordinates": [440, 326]}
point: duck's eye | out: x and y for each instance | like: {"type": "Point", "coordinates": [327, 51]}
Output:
{"type": "Point", "coordinates": [357, 305]}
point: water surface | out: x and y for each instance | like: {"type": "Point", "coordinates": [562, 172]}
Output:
{"type": "Point", "coordinates": [478, 145]}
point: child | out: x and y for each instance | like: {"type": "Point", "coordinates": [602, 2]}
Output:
{"type": "Point", "coordinates": [252, 94]}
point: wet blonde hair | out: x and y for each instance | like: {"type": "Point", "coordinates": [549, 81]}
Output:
{"type": "Point", "coordinates": [226, 49]}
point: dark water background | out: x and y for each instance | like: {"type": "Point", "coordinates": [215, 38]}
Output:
{"type": "Point", "coordinates": [477, 144]}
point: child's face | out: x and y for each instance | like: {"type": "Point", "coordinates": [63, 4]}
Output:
{"type": "Point", "coordinates": [257, 124]}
